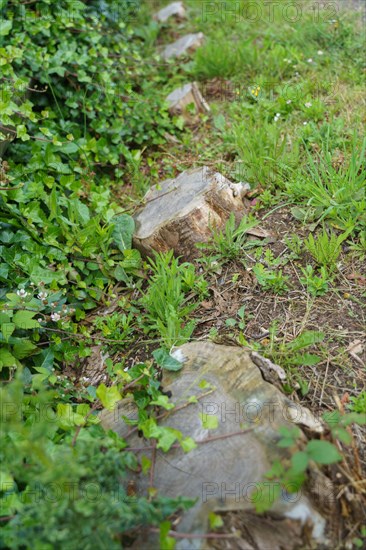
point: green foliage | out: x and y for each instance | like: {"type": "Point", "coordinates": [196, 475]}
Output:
{"type": "Point", "coordinates": [52, 290]}
{"type": "Point", "coordinates": [295, 245]}
{"type": "Point", "coordinates": [358, 246]}
{"type": "Point", "coordinates": [325, 249]}
{"type": "Point", "coordinates": [290, 474]}
{"type": "Point", "coordinates": [271, 279]}
{"type": "Point", "coordinates": [291, 355]}
{"type": "Point", "coordinates": [240, 321]}
{"type": "Point", "coordinates": [358, 404]}
{"type": "Point", "coordinates": [229, 243]}
{"type": "Point", "coordinates": [336, 194]}
{"type": "Point", "coordinates": [62, 475]}
{"type": "Point", "coordinates": [165, 301]}
{"type": "Point", "coordinates": [72, 121]}
{"type": "Point", "coordinates": [315, 285]}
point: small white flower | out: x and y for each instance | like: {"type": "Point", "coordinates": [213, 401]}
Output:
{"type": "Point", "coordinates": [297, 74]}
{"type": "Point", "coordinates": [277, 117]}
{"type": "Point", "coordinates": [39, 320]}
{"type": "Point", "coordinates": [308, 104]}
{"type": "Point", "coordinates": [42, 295]}
{"type": "Point", "coordinates": [22, 293]}
{"type": "Point", "coordinates": [288, 101]}
{"type": "Point", "coordinates": [305, 123]}
{"type": "Point", "coordinates": [310, 60]}
{"type": "Point", "coordinates": [55, 316]}
{"type": "Point", "coordinates": [320, 52]}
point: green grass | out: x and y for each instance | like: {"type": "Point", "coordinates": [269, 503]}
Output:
{"type": "Point", "coordinates": [295, 91]}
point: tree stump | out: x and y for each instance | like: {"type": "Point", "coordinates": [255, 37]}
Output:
{"type": "Point", "coordinates": [234, 451]}
{"type": "Point", "coordinates": [184, 45]}
{"type": "Point", "coordinates": [182, 211]}
{"type": "Point", "coordinates": [185, 96]}
{"type": "Point", "coordinates": [175, 9]}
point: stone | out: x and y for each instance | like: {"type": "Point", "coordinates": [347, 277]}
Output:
{"type": "Point", "coordinates": [229, 461]}
{"type": "Point", "coordinates": [181, 211]}
{"type": "Point", "coordinates": [184, 96]}
{"type": "Point", "coordinates": [175, 9]}
{"type": "Point", "coordinates": [184, 45]}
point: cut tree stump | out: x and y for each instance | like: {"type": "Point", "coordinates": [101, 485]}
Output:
{"type": "Point", "coordinates": [184, 45]}
{"type": "Point", "coordinates": [175, 9]}
{"type": "Point", "coordinates": [233, 453]}
{"type": "Point", "coordinates": [181, 212]}
{"type": "Point", "coordinates": [185, 96]}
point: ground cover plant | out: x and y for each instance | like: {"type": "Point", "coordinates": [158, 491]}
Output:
{"type": "Point", "coordinates": [84, 131]}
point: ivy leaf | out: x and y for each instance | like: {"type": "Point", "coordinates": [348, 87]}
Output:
{"type": "Point", "coordinates": [124, 226]}
{"type": "Point", "coordinates": [166, 542]}
{"type": "Point", "coordinates": [145, 464]}
{"type": "Point", "coordinates": [149, 428]}
{"type": "Point", "coordinates": [67, 418]}
{"type": "Point", "coordinates": [47, 357]}
{"type": "Point", "coordinates": [163, 401]}
{"type": "Point", "coordinates": [215, 520]}
{"type": "Point", "coordinates": [322, 452]}
{"type": "Point", "coordinates": [5, 27]}
{"type": "Point", "coordinates": [22, 132]}
{"type": "Point", "coordinates": [109, 397]}
{"type": "Point", "coordinates": [166, 361]}
{"type": "Point", "coordinates": [188, 444]}
{"type": "Point", "coordinates": [209, 421]}
{"type": "Point", "coordinates": [166, 438]}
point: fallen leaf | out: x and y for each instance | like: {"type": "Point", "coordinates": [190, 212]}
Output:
{"type": "Point", "coordinates": [360, 279]}
{"type": "Point", "coordinates": [355, 347]}
{"type": "Point", "coordinates": [258, 232]}
{"type": "Point", "coordinates": [345, 398]}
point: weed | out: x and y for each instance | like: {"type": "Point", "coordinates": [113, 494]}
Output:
{"type": "Point", "coordinates": [358, 404]}
{"type": "Point", "coordinates": [295, 245]}
{"type": "Point", "coordinates": [140, 182]}
{"type": "Point", "coordinates": [291, 355]}
{"type": "Point", "coordinates": [229, 243]}
{"type": "Point", "coordinates": [337, 192]}
{"type": "Point", "coordinates": [166, 301]}
{"type": "Point", "coordinates": [270, 279]}
{"type": "Point", "coordinates": [325, 249]}
{"type": "Point", "coordinates": [292, 472]}
{"type": "Point", "coordinates": [265, 153]}
{"type": "Point", "coordinates": [117, 326]}
{"type": "Point", "coordinates": [240, 321]}
{"type": "Point", "coordinates": [316, 285]}
{"type": "Point", "coordinates": [359, 246]}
